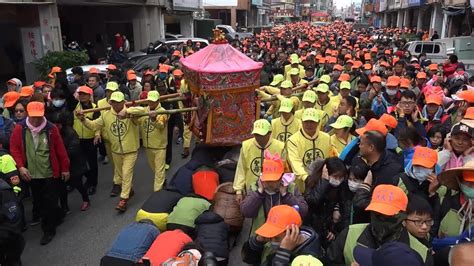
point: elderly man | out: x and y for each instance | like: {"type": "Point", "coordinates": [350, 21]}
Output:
{"type": "Point", "coordinates": [41, 158]}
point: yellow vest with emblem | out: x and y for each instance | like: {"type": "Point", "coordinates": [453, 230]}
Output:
{"type": "Point", "coordinates": [82, 131]}
{"type": "Point", "coordinates": [154, 133]}
{"type": "Point", "coordinates": [122, 133]}
{"type": "Point", "coordinates": [303, 150]}
{"type": "Point", "coordinates": [100, 104]}
{"type": "Point", "coordinates": [250, 162]}
{"type": "Point", "coordinates": [282, 130]}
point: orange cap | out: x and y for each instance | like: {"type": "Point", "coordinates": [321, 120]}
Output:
{"type": "Point", "coordinates": [278, 219]}
{"type": "Point", "coordinates": [433, 67]}
{"type": "Point", "coordinates": [344, 77]}
{"type": "Point", "coordinates": [177, 72]}
{"type": "Point", "coordinates": [55, 69]}
{"type": "Point", "coordinates": [376, 79]}
{"type": "Point", "coordinates": [85, 89]}
{"type": "Point", "coordinates": [395, 60]}
{"type": "Point", "coordinates": [384, 64]}
{"type": "Point", "coordinates": [367, 66]}
{"type": "Point", "coordinates": [357, 64]}
{"type": "Point", "coordinates": [10, 98]}
{"type": "Point", "coordinates": [389, 120]}
{"type": "Point", "coordinates": [388, 200]}
{"type": "Point", "coordinates": [388, 52]}
{"type": "Point", "coordinates": [93, 70]}
{"type": "Point", "coordinates": [111, 67]}
{"type": "Point", "coordinates": [404, 83]}
{"type": "Point", "coordinates": [367, 56]}
{"type": "Point", "coordinates": [337, 67]}
{"type": "Point", "coordinates": [332, 60]}
{"type": "Point", "coordinates": [374, 50]}
{"type": "Point", "coordinates": [425, 157]}
{"type": "Point", "coordinates": [393, 81]}
{"type": "Point", "coordinates": [272, 170]}
{"type": "Point", "coordinates": [469, 113]}
{"type": "Point", "coordinates": [26, 91]}
{"type": "Point", "coordinates": [164, 68]}
{"type": "Point", "coordinates": [149, 72]}
{"type": "Point", "coordinates": [130, 71]}
{"type": "Point", "coordinates": [348, 56]}
{"type": "Point", "coordinates": [421, 75]}
{"type": "Point", "coordinates": [131, 76]}
{"type": "Point", "coordinates": [322, 60]}
{"type": "Point", "coordinates": [35, 109]}
{"type": "Point", "coordinates": [467, 96]}
{"type": "Point", "coordinates": [39, 84]}
{"type": "Point", "coordinates": [176, 53]}
{"type": "Point", "coordinates": [434, 99]}
{"type": "Point", "coordinates": [373, 125]}
{"type": "Point", "coordinates": [350, 62]}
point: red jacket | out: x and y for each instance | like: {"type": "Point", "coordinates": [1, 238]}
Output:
{"type": "Point", "coordinates": [57, 151]}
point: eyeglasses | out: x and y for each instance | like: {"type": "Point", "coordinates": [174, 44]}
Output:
{"type": "Point", "coordinates": [407, 103]}
{"type": "Point", "coordinates": [421, 222]}
{"type": "Point", "coordinates": [19, 111]}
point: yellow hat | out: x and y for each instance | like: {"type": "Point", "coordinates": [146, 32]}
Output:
{"type": "Point", "coordinates": [294, 71]}
{"type": "Point", "coordinates": [343, 121]}
{"type": "Point", "coordinates": [345, 85]}
{"type": "Point", "coordinates": [310, 114]}
{"type": "Point", "coordinates": [153, 96]}
{"type": "Point", "coordinates": [112, 86]}
{"type": "Point", "coordinates": [261, 127]}
{"type": "Point", "coordinates": [306, 260]}
{"type": "Point", "coordinates": [294, 56]}
{"type": "Point", "coordinates": [277, 79]}
{"type": "Point", "coordinates": [322, 88]}
{"type": "Point", "coordinates": [117, 96]}
{"type": "Point", "coordinates": [294, 60]}
{"type": "Point", "coordinates": [309, 96]}
{"type": "Point", "coordinates": [286, 105]}
{"type": "Point", "coordinates": [286, 84]}
{"type": "Point", "coordinates": [325, 78]}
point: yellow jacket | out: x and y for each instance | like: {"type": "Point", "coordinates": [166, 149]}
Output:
{"type": "Point", "coordinates": [103, 103]}
{"type": "Point", "coordinates": [154, 132]}
{"type": "Point", "coordinates": [282, 130]}
{"type": "Point", "coordinates": [82, 131]}
{"type": "Point", "coordinates": [122, 133]}
{"type": "Point", "coordinates": [339, 144]}
{"type": "Point", "coordinates": [324, 118]}
{"type": "Point", "coordinates": [303, 150]}
{"type": "Point", "coordinates": [250, 163]}
{"type": "Point", "coordinates": [288, 68]}
{"type": "Point", "coordinates": [337, 100]}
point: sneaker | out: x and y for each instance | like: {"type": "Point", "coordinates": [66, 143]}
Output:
{"type": "Point", "coordinates": [167, 167]}
{"type": "Point", "coordinates": [106, 160]}
{"type": "Point", "coordinates": [116, 189]}
{"type": "Point", "coordinates": [47, 237]}
{"type": "Point", "coordinates": [179, 141]}
{"type": "Point", "coordinates": [35, 221]}
{"type": "Point", "coordinates": [122, 205]}
{"type": "Point", "coordinates": [85, 206]}
{"type": "Point", "coordinates": [91, 190]}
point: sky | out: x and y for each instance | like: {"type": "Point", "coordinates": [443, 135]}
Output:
{"type": "Point", "coordinates": [343, 3]}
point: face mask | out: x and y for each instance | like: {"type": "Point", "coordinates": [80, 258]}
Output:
{"type": "Point", "coordinates": [383, 83]}
{"type": "Point", "coordinates": [334, 182]}
{"type": "Point", "coordinates": [467, 191]}
{"type": "Point", "coordinates": [353, 185]}
{"type": "Point", "coordinates": [270, 192]}
{"type": "Point", "coordinates": [391, 92]}
{"type": "Point", "coordinates": [421, 173]}
{"type": "Point", "coordinates": [388, 228]}
{"type": "Point", "coordinates": [58, 103]}
{"type": "Point", "coordinates": [275, 245]}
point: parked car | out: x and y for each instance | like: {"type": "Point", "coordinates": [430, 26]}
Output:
{"type": "Point", "coordinates": [231, 33]}
{"type": "Point", "coordinates": [172, 36]}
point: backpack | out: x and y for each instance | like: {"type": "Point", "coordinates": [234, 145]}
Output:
{"type": "Point", "coordinates": [226, 206]}
{"type": "Point", "coordinates": [185, 258]}
{"type": "Point", "coordinates": [11, 212]}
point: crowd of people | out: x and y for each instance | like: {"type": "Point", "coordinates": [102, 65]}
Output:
{"type": "Point", "coordinates": [363, 155]}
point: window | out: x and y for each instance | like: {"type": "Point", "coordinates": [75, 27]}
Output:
{"type": "Point", "coordinates": [437, 49]}
{"type": "Point", "coordinates": [418, 48]}
{"type": "Point", "coordinates": [427, 48]}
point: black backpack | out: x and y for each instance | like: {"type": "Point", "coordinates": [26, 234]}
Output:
{"type": "Point", "coordinates": [11, 213]}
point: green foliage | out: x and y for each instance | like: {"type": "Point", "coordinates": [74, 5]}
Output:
{"type": "Point", "coordinates": [65, 60]}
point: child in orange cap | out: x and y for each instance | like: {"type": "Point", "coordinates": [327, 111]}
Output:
{"type": "Point", "coordinates": [284, 234]}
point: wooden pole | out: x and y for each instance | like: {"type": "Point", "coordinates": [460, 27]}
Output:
{"type": "Point", "coordinates": [170, 112]}
{"type": "Point", "coordinates": [299, 87]}
{"type": "Point", "coordinates": [275, 98]}
{"type": "Point", "coordinates": [165, 98]}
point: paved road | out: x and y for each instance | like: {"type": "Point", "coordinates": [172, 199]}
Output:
{"type": "Point", "coordinates": [84, 237]}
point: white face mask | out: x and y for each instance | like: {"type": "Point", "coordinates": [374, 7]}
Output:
{"type": "Point", "coordinates": [353, 185]}
{"type": "Point", "coordinates": [334, 182]}
{"type": "Point", "coordinates": [421, 173]}
{"type": "Point", "coordinates": [391, 92]}
{"type": "Point", "coordinates": [58, 103]}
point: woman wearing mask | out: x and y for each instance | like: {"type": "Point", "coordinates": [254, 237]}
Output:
{"type": "Point", "coordinates": [457, 208]}
{"type": "Point", "coordinates": [58, 106]}
{"type": "Point", "coordinates": [326, 198]}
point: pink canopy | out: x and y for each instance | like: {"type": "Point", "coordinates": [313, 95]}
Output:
{"type": "Point", "coordinates": [220, 58]}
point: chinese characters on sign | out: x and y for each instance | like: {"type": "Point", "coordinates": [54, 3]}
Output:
{"type": "Point", "coordinates": [32, 49]}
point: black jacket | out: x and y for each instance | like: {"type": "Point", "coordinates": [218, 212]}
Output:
{"type": "Point", "coordinates": [384, 171]}
{"type": "Point", "coordinates": [335, 252]}
{"type": "Point", "coordinates": [162, 201]}
{"type": "Point", "coordinates": [253, 249]}
{"type": "Point", "coordinates": [78, 165]}
{"type": "Point", "coordinates": [212, 234]}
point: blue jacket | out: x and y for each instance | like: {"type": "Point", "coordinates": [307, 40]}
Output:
{"type": "Point", "coordinates": [133, 241]}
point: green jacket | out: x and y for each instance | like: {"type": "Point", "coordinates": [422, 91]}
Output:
{"type": "Point", "coordinates": [187, 210]}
